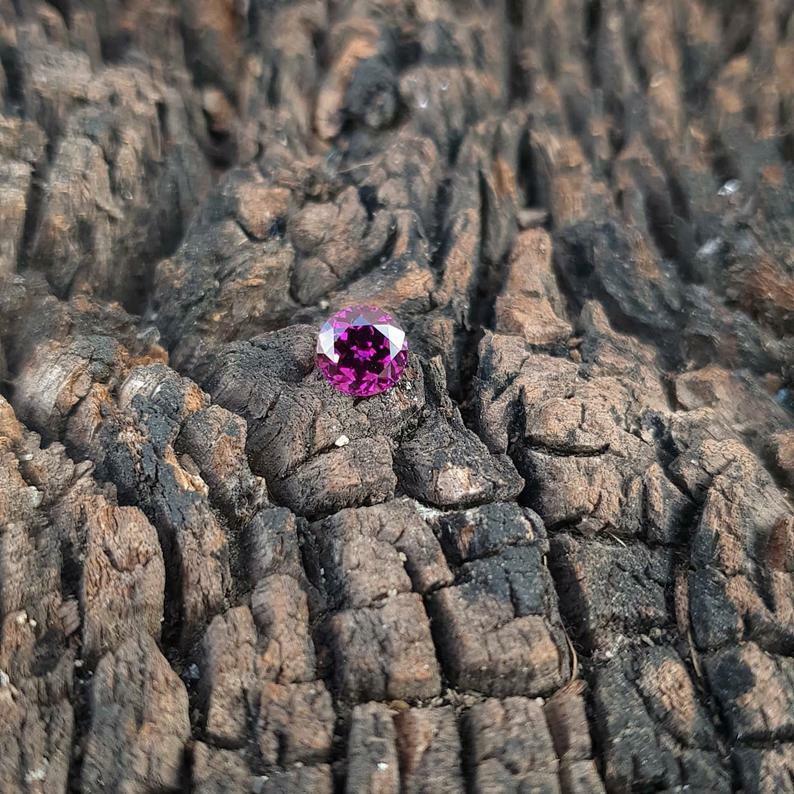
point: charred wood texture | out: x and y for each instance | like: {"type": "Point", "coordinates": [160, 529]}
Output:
{"type": "Point", "coordinates": [558, 556]}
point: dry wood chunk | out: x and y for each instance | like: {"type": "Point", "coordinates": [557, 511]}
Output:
{"type": "Point", "coordinates": [358, 474]}
{"type": "Point", "coordinates": [59, 375]}
{"type": "Point", "coordinates": [509, 747]}
{"type": "Point", "coordinates": [35, 741]}
{"type": "Point", "coordinates": [595, 492]}
{"type": "Point", "coordinates": [446, 465]}
{"type": "Point", "coordinates": [372, 763]}
{"type": "Point", "coordinates": [405, 175]}
{"type": "Point", "coordinates": [227, 671]}
{"type": "Point", "coordinates": [36, 664]}
{"type": "Point", "coordinates": [293, 723]}
{"type": "Point", "coordinates": [570, 732]}
{"type": "Point", "coordinates": [483, 531]}
{"type": "Point", "coordinates": [136, 441]}
{"type": "Point", "coordinates": [52, 80]}
{"type": "Point", "coordinates": [194, 543]}
{"type": "Point", "coordinates": [573, 428]}
{"type": "Point", "coordinates": [385, 651]}
{"type": "Point", "coordinates": [353, 44]}
{"type": "Point", "coordinates": [108, 175]}
{"type": "Point", "coordinates": [740, 513]}
{"type": "Point", "coordinates": [366, 553]}
{"type": "Point", "coordinates": [781, 446]}
{"type": "Point", "coordinates": [619, 260]}
{"type": "Point", "coordinates": [505, 366]}
{"type": "Point", "coordinates": [744, 571]}
{"type": "Point", "coordinates": [610, 590]}
{"type": "Point", "coordinates": [260, 208]}
{"type": "Point", "coordinates": [32, 564]}
{"type": "Point", "coordinates": [668, 511]}
{"type": "Point", "coordinates": [754, 691]}
{"type": "Point", "coordinates": [110, 340]}
{"type": "Point", "coordinates": [766, 771]}
{"type": "Point", "coordinates": [229, 285]}
{"type": "Point", "coordinates": [498, 629]}
{"type": "Point", "coordinates": [653, 728]}
{"type": "Point", "coordinates": [123, 577]}
{"type": "Point", "coordinates": [244, 647]}
{"type": "Point", "coordinates": [213, 33]}
{"type": "Point", "coordinates": [139, 721]}
{"type": "Point", "coordinates": [333, 241]}
{"type": "Point", "coordinates": [355, 567]}
{"type": "Point", "coordinates": [567, 721]}
{"type": "Point", "coordinates": [215, 440]}
{"type": "Point", "coordinates": [78, 544]}
{"type": "Point", "coordinates": [530, 303]}
{"type": "Point", "coordinates": [270, 544]}
{"type": "Point", "coordinates": [565, 181]}
{"type": "Point", "coordinates": [297, 780]}
{"type": "Point", "coordinates": [739, 400]}
{"type": "Point", "coordinates": [429, 751]}
{"type": "Point", "coordinates": [30, 555]}
{"type": "Point", "coordinates": [217, 771]}
{"type": "Point", "coordinates": [580, 777]}
{"type": "Point", "coordinates": [280, 608]}
{"type": "Point", "coordinates": [21, 146]}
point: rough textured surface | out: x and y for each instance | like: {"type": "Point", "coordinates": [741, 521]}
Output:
{"type": "Point", "coordinates": [557, 556]}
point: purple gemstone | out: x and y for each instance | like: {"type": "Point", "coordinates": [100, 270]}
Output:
{"type": "Point", "coordinates": [362, 350]}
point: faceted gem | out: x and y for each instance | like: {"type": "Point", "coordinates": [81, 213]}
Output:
{"type": "Point", "coordinates": [362, 350]}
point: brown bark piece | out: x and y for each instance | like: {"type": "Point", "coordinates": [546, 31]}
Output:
{"type": "Point", "coordinates": [294, 723]}
{"type": "Point", "coordinates": [227, 666]}
{"type": "Point", "coordinates": [366, 561]}
{"type": "Point", "coordinates": [216, 771]}
{"type": "Point", "coordinates": [510, 746]}
{"type": "Point", "coordinates": [280, 607]}
{"type": "Point", "coordinates": [763, 771]}
{"type": "Point", "coordinates": [753, 690]}
{"type": "Point", "coordinates": [654, 729]}
{"type": "Point", "coordinates": [497, 627]}
{"type": "Point", "coordinates": [297, 780]}
{"type": "Point", "coordinates": [484, 531]}
{"type": "Point", "coordinates": [429, 751]}
{"type": "Point", "coordinates": [123, 577]}
{"type": "Point", "coordinates": [567, 720]}
{"type": "Point", "coordinates": [21, 147]}
{"type": "Point", "coordinates": [270, 544]}
{"type": "Point", "coordinates": [215, 441]}
{"type": "Point", "coordinates": [102, 581]}
{"type": "Point", "coordinates": [372, 751]}
{"type": "Point", "coordinates": [446, 465]}
{"type": "Point", "coordinates": [384, 651]}
{"type": "Point", "coordinates": [367, 552]}
{"type": "Point", "coordinates": [611, 590]}
{"type": "Point", "coordinates": [139, 721]}
{"type": "Point", "coordinates": [530, 304]}
{"type": "Point", "coordinates": [36, 742]}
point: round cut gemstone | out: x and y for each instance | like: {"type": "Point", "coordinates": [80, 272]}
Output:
{"type": "Point", "coordinates": [362, 350]}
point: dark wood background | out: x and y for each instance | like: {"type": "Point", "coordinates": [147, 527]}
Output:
{"type": "Point", "coordinates": [558, 557]}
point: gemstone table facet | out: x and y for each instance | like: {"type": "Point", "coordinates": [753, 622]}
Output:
{"type": "Point", "coordinates": [362, 350]}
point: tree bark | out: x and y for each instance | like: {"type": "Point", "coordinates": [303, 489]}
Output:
{"type": "Point", "coordinates": [558, 556]}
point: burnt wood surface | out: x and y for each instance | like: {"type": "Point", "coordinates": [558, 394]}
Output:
{"type": "Point", "coordinates": [558, 557]}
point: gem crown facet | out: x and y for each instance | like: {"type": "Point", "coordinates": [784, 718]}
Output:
{"type": "Point", "coordinates": [362, 350]}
